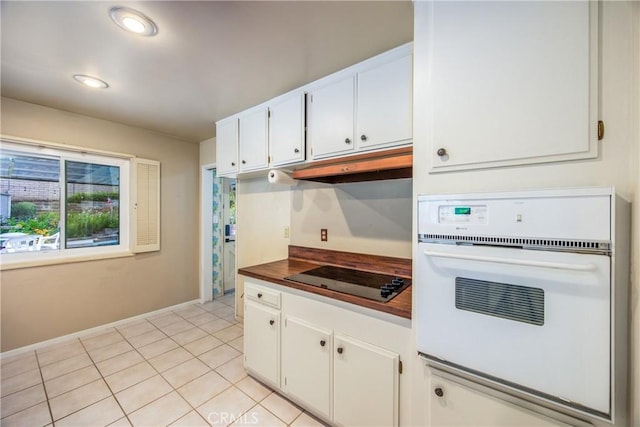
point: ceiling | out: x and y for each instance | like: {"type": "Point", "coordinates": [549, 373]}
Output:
{"type": "Point", "coordinates": [210, 59]}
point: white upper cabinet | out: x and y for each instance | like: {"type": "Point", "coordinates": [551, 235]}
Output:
{"type": "Point", "coordinates": [287, 129]}
{"type": "Point", "coordinates": [384, 104]}
{"type": "Point", "coordinates": [509, 82]}
{"type": "Point", "coordinates": [368, 106]}
{"type": "Point", "coordinates": [253, 139]}
{"type": "Point", "coordinates": [227, 147]}
{"type": "Point", "coordinates": [331, 115]}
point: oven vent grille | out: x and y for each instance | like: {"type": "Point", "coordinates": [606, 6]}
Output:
{"type": "Point", "coordinates": [514, 302]}
{"type": "Point", "coordinates": [595, 246]}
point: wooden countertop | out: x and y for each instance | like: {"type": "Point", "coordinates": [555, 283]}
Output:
{"type": "Point", "coordinates": [302, 259]}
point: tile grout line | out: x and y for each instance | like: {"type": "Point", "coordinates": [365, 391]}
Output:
{"type": "Point", "coordinates": [105, 382]}
{"type": "Point", "coordinates": [46, 394]}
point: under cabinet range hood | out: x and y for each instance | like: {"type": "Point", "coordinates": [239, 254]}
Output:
{"type": "Point", "coordinates": [389, 164]}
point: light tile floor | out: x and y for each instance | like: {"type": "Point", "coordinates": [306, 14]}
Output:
{"type": "Point", "coordinates": [181, 368]}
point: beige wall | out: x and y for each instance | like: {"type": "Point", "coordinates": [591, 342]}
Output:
{"type": "Point", "coordinates": [635, 185]}
{"type": "Point", "coordinates": [41, 303]}
{"type": "Point", "coordinates": [367, 217]}
{"type": "Point", "coordinates": [617, 164]}
{"type": "Point", "coordinates": [263, 210]}
{"type": "Point", "coordinates": [208, 152]}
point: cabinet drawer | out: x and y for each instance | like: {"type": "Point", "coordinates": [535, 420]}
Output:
{"type": "Point", "coordinates": [263, 295]}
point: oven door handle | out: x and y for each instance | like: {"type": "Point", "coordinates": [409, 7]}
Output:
{"type": "Point", "coordinates": [527, 263]}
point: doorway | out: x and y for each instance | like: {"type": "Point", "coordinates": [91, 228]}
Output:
{"type": "Point", "coordinates": [217, 240]}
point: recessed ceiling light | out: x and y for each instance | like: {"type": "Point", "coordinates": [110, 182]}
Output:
{"type": "Point", "coordinates": [133, 21]}
{"type": "Point", "coordinates": [91, 81]}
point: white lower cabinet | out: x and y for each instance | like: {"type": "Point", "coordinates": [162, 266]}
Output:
{"type": "Point", "coordinates": [328, 359]}
{"type": "Point", "coordinates": [320, 367]}
{"type": "Point", "coordinates": [262, 342]}
{"type": "Point", "coordinates": [365, 384]}
{"type": "Point", "coordinates": [306, 364]}
{"type": "Point", "coordinates": [453, 404]}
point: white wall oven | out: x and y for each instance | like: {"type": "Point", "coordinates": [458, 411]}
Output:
{"type": "Point", "coordinates": [528, 291]}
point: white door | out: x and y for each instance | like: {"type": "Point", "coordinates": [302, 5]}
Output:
{"type": "Point", "coordinates": [385, 108]}
{"type": "Point", "coordinates": [253, 140]}
{"type": "Point", "coordinates": [306, 364]}
{"type": "Point", "coordinates": [227, 147]}
{"type": "Point", "coordinates": [262, 342]}
{"type": "Point", "coordinates": [365, 384]}
{"type": "Point", "coordinates": [331, 118]}
{"type": "Point", "coordinates": [286, 130]}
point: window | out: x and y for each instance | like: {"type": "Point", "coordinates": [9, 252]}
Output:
{"type": "Point", "coordinates": [59, 204]}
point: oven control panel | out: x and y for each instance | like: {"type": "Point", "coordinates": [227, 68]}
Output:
{"type": "Point", "coordinates": [574, 214]}
{"type": "Point", "coordinates": [462, 214]}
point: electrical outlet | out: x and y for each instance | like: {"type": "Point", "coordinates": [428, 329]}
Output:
{"type": "Point", "coordinates": [286, 232]}
{"type": "Point", "coordinates": [323, 235]}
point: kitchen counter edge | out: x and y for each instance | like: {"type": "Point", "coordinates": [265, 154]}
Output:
{"type": "Point", "coordinates": [276, 272]}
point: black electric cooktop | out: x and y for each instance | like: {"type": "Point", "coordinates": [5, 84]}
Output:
{"type": "Point", "coordinates": [379, 287]}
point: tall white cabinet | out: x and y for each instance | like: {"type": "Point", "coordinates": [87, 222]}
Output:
{"type": "Point", "coordinates": [510, 82]}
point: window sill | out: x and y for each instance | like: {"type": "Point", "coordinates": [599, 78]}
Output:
{"type": "Point", "coordinates": [39, 262]}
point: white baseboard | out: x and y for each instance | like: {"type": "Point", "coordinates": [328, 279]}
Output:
{"type": "Point", "coordinates": [91, 331]}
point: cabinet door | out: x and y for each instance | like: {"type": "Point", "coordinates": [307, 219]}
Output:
{"type": "Point", "coordinates": [365, 384]}
{"type": "Point", "coordinates": [227, 147]}
{"type": "Point", "coordinates": [331, 118]}
{"type": "Point", "coordinates": [306, 364]}
{"type": "Point", "coordinates": [511, 83]}
{"type": "Point", "coordinates": [451, 404]}
{"type": "Point", "coordinates": [385, 107]}
{"type": "Point", "coordinates": [262, 342]}
{"type": "Point", "coordinates": [253, 140]}
{"type": "Point", "coordinates": [287, 130]}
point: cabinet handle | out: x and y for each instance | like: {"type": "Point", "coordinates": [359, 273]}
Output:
{"type": "Point", "coordinates": [233, 163]}
{"type": "Point", "coordinates": [347, 141]}
{"type": "Point", "coordinates": [441, 152]}
{"type": "Point", "coordinates": [322, 343]}
{"type": "Point", "coordinates": [271, 322]}
{"type": "Point", "coordinates": [438, 391]}
{"type": "Point", "coordinates": [340, 350]}
{"type": "Point", "coordinates": [296, 150]}
{"type": "Point", "coordinates": [363, 137]}
{"type": "Point", "coordinates": [259, 295]}
{"type": "Point", "coordinates": [244, 162]}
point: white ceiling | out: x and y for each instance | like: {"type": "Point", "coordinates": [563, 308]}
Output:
{"type": "Point", "coordinates": [209, 60]}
